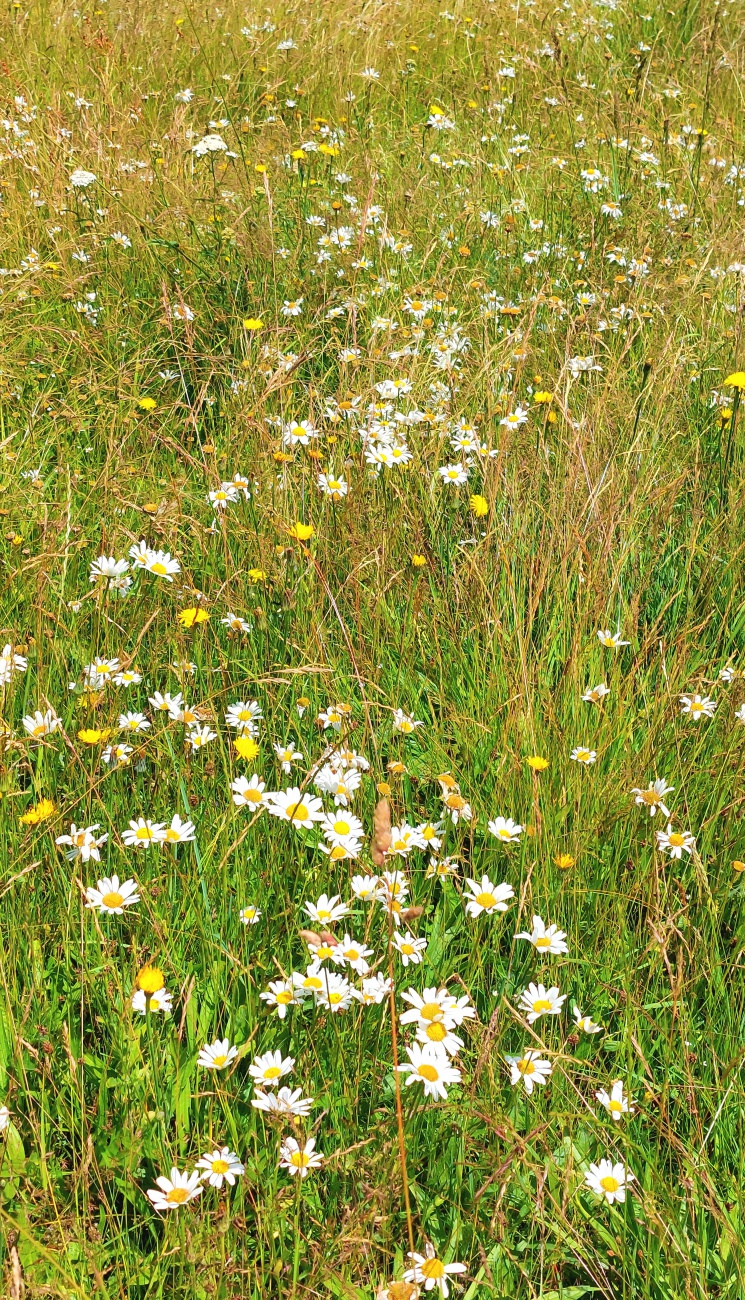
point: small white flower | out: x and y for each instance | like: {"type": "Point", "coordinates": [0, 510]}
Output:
{"type": "Point", "coordinates": [217, 1055]}
{"type": "Point", "coordinates": [81, 179]}
{"type": "Point", "coordinates": [175, 1191]}
{"type": "Point", "coordinates": [537, 1001]}
{"type": "Point", "coordinates": [530, 1069]}
{"type": "Point", "coordinates": [112, 897]}
{"type": "Point", "coordinates": [609, 1180]}
{"type": "Point", "coordinates": [616, 1102]}
{"type": "Point", "coordinates": [220, 1166]}
{"type": "Point", "coordinates": [585, 1023]}
{"type": "Point", "coordinates": [545, 939]}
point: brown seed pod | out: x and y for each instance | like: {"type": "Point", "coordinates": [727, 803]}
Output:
{"type": "Point", "coordinates": [381, 838]}
{"type": "Point", "coordinates": [327, 937]}
{"type": "Point", "coordinates": [411, 913]}
{"type": "Point", "coordinates": [310, 936]}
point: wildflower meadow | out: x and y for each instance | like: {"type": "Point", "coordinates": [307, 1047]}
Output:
{"type": "Point", "coordinates": [372, 650]}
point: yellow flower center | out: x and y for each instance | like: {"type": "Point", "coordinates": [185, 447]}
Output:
{"type": "Point", "coordinates": [676, 840]}
{"type": "Point", "coordinates": [352, 954]}
{"type": "Point", "coordinates": [312, 982]}
{"type": "Point", "coordinates": [697, 708]}
{"type": "Point", "coordinates": [525, 1066]}
{"type": "Point", "coordinates": [407, 949]}
{"type": "Point", "coordinates": [543, 941]}
{"type": "Point", "coordinates": [433, 1268]}
{"type": "Point", "coordinates": [541, 1004]}
{"type": "Point", "coordinates": [297, 812]}
{"type": "Point", "coordinates": [220, 1059]}
{"type": "Point", "coordinates": [428, 1072]}
{"type": "Point", "coordinates": [323, 914]}
{"type": "Point", "coordinates": [436, 1031]}
{"type": "Point", "coordinates": [272, 1072]}
{"type": "Point", "coordinates": [245, 715]}
{"type": "Point", "coordinates": [504, 834]}
{"type": "Point", "coordinates": [252, 796]}
{"type": "Point", "coordinates": [160, 568]}
{"type": "Point", "coordinates": [615, 1108]}
{"type": "Point", "coordinates": [609, 1183]}
{"type": "Point", "coordinates": [299, 1159]}
{"type": "Point", "coordinates": [143, 833]}
{"type": "Point", "coordinates": [650, 798]}
{"type": "Point", "coordinates": [220, 1166]}
{"type": "Point", "coordinates": [40, 730]}
{"type": "Point", "coordinates": [341, 828]}
{"type": "Point", "coordinates": [336, 998]}
{"type": "Point", "coordinates": [431, 1011]}
{"type": "Point", "coordinates": [172, 836]}
{"type": "Point", "coordinates": [485, 899]}
{"type": "Point", "coordinates": [416, 305]}
{"type": "Point", "coordinates": [284, 998]}
{"type": "Point", "coordinates": [177, 1196]}
{"type": "Point", "coordinates": [112, 899]}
